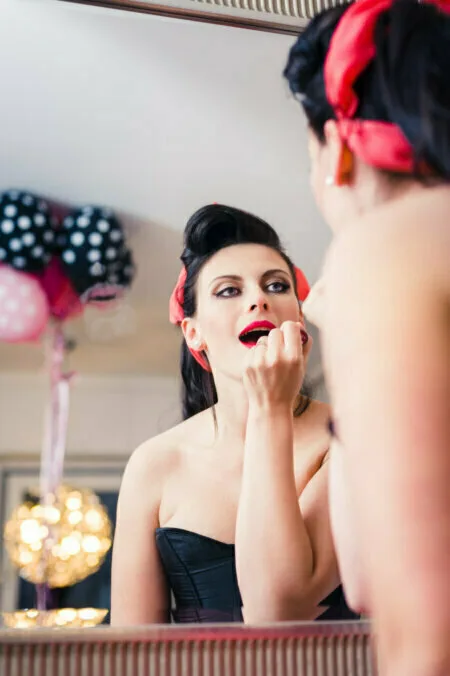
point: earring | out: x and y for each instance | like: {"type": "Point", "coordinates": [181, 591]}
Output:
{"type": "Point", "coordinates": [329, 180]}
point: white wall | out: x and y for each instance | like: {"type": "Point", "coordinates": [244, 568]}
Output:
{"type": "Point", "coordinates": [108, 416]}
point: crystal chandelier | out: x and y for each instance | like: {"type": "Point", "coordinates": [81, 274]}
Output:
{"type": "Point", "coordinates": [59, 543]}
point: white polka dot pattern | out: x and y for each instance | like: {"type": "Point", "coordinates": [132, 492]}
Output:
{"type": "Point", "coordinates": [90, 243]}
{"type": "Point", "coordinates": [25, 228]}
{"type": "Point", "coordinates": [94, 251]}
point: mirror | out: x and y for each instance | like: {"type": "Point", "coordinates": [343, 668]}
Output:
{"type": "Point", "coordinates": [153, 118]}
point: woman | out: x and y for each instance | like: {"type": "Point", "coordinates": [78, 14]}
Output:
{"type": "Point", "coordinates": [374, 82]}
{"type": "Point", "coordinates": [229, 510]}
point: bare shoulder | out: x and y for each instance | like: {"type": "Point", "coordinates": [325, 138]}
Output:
{"type": "Point", "coordinates": [150, 464]}
{"type": "Point", "coordinates": [409, 236]}
{"type": "Point", "coordinates": [387, 291]}
{"type": "Point", "coordinates": [155, 460]}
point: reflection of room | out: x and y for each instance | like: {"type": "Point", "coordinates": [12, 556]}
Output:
{"type": "Point", "coordinates": [120, 416]}
{"type": "Point", "coordinates": [153, 118]}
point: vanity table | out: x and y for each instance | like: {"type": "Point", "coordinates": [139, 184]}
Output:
{"type": "Point", "coordinates": [287, 649]}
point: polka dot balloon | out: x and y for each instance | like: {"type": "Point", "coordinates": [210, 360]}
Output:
{"type": "Point", "coordinates": [26, 232]}
{"type": "Point", "coordinates": [94, 254]}
{"type": "Point", "coordinates": [23, 307]}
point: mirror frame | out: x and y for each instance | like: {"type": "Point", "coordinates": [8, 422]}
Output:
{"type": "Point", "coordinates": [276, 16]}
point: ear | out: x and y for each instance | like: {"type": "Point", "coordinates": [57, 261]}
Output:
{"type": "Point", "coordinates": [192, 334]}
{"type": "Point", "coordinates": [340, 156]}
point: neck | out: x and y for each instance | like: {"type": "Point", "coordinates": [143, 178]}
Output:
{"type": "Point", "coordinates": [231, 407]}
{"type": "Point", "coordinates": [374, 190]}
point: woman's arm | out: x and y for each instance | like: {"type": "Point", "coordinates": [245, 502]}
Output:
{"type": "Point", "coordinates": [344, 529]}
{"type": "Point", "coordinates": [285, 557]}
{"type": "Point", "coordinates": [284, 552]}
{"type": "Point", "coordinates": [387, 356]}
{"type": "Point", "coordinates": [139, 592]}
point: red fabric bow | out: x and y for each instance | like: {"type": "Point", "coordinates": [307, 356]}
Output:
{"type": "Point", "coordinates": [380, 144]}
{"type": "Point", "coordinates": [176, 312]}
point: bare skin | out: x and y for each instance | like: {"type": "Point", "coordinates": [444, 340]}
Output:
{"type": "Point", "coordinates": [194, 485]}
{"type": "Point", "coordinates": [259, 482]}
{"type": "Point", "coordinates": [383, 307]}
{"type": "Point", "coordinates": [396, 475]}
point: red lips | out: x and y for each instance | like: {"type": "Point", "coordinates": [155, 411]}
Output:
{"type": "Point", "coordinates": [254, 331]}
{"type": "Point", "coordinates": [257, 326]}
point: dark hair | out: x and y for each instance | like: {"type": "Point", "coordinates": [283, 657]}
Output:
{"type": "Point", "coordinates": [209, 230]}
{"type": "Point", "coordinates": [407, 83]}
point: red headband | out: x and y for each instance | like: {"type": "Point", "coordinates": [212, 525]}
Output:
{"type": "Point", "coordinates": [176, 312]}
{"type": "Point", "coordinates": [380, 144]}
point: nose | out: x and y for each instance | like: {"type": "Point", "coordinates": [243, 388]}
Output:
{"type": "Point", "coordinates": [259, 302]}
{"type": "Point", "coordinates": [259, 306]}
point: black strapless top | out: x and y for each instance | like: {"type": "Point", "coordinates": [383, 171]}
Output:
{"type": "Point", "coordinates": [201, 573]}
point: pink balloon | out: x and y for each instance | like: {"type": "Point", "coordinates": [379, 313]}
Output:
{"type": "Point", "coordinates": [23, 307]}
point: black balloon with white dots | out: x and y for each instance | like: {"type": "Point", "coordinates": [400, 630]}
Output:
{"type": "Point", "coordinates": [26, 231]}
{"type": "Point", "coordinates": [94, 253]}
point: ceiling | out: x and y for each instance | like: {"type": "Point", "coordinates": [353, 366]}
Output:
{"type": "Point", "coordinates": [153, 117]}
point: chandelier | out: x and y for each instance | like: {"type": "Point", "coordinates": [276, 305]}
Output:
{"type": "Point", "coordinates": [60, 542]}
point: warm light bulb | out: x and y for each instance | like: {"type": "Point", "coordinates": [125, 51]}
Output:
{"type": "Point", "coordinates": [52, 515]}
{"type": "Point", "coordinates": [91, 544]}
{"type": "Point", "coordinates": [73, 501]}
{"type": "Point", "coordinates": [93, 520]}
{"type": "Point", "coordinates": [25, 557]}
{"type": "Point", "coordinates": [30, 531]}
{"type": "Point", "coordinates": [70, 545]}
{"type": "Point", "coordinates": [75, 517]}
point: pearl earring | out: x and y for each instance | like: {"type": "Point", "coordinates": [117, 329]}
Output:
{"type": "Point", "coordinates": [329, 180]}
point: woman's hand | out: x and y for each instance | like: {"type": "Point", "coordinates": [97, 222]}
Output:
{"type": "Point", "coordinates": [276, 367]}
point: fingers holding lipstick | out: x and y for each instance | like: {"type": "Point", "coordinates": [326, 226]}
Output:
{"type": "Point", "coordinates": [276, 365]}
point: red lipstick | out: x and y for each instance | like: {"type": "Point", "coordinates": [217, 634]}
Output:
{"type": "Point", "coordinates": [254, 331]}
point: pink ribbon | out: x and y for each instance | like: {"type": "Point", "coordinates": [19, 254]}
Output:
{"type": "Point", "coordinates": [54, 446]}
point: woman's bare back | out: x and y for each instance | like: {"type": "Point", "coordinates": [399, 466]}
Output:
{"type": "Point", "coordinates": [387, 280]}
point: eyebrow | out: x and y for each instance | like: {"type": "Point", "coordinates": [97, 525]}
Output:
{"type": "Point", "coordinates": [276, 271]}
{"type": "Point", "coordinates": [238, 278]}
